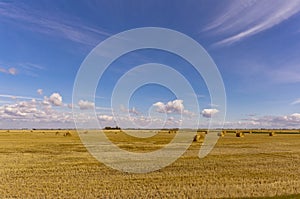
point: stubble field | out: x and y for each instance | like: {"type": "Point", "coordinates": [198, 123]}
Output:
{"type": "Point", "coordinates": [47, 164]}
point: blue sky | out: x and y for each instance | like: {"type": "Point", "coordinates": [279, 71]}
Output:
{"type": "Point", "coordinates": [255, 45]}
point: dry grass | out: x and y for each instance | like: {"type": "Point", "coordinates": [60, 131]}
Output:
{"type": "Point", "coordinates": [43, 165]}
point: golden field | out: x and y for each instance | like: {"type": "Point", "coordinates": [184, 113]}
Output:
{"type": "Point", "coordinates": [47, 164]}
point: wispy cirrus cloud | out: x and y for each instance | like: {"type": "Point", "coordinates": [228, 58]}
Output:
{"type": "Point", "coordinates": [20, 68]}
{"type": "Point", "coordinates": [17, 97]}
{"type": "Point", "coordinates": [11, 70]}
{"type": "Point", "coordinates": [56, 25]}
{"type": "Point", "coordinates": [285, 75]}
{"type": "Point", "coordinates": [297, 101]}
{"type": "Point", "coordinates": [241, 19]}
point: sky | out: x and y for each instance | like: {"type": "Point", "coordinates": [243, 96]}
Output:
{"type": "Point", "coordinates": [254, 44]}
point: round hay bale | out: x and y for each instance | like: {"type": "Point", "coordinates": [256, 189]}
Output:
{"type": "Point", "coordinates": [57, 133]}
{"type": "Point", "coordinates": [197, 138]}
{"type": "Point", "coordinates": [272, 133]}
{"type": "Point", "coordinates": [67, 134]}
{"type": "Point", "coordinates": [239, 134]}
{"type": "Point", "coordinates": [221, 134]}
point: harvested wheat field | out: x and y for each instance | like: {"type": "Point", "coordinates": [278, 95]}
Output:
{"type": "Point", "coordinates": [52, 164]}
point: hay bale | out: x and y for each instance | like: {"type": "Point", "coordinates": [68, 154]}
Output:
{"type": "Point", "coordinates": [221, 134]}
{"type": "Point", "coordinates": [197, 138]}
{"type": "Point", "coordinates": [272, 133]}
{"type": "Point", "coordinates": [57, 133]}
{"type": "Point", "coordinates": [67, 134]}
{"type": "Point", "coordinates": [239, 134]}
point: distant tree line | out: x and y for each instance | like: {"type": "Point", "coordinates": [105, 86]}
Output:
{"type": "Point", "coordinates": [112, 128]}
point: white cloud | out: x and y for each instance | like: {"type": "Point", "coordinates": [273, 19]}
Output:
{"type": "Point", "coordinates": [105, 118]}
{"type": "Point", "coordinates": [32, 113]}
{"type": "Point", "coordinates": [55, 99]}
{"type": "Point", "coordinates": [83, 104]}
{"type": "Point", "coordinates": [46, 102]}
{"type": "Point", "coordinates": [39, 91]}
{"type": "Point", "coordinates": [214, 105]}
{"type": "Point", "coordinates": [296, 116]}
{"type": "Point", "coordinates": [290, 73]}
{"type": "Point", "coordinates": [17, 97]}
{"type": "Point", "coordinates": [11, 71]}
{"type": "Point", "coordinates": [39, 114]}
{"type": "Point", "coordinates": [175, 106]}
{"type": "Point", "coordinates": [132, 110]}
{"type": "Point", "coordinates": [208, 113]}
{"type": "Point", "coordinates": [13, 111]}
{"type": "Point", "coordinates": [20, 109]}
{"type": "Point", "coordinates": [242, 19]}
{"type": "Point", "coordinates": [58, 25]}
{"type": "Point", "coordinates": [271, 121]}
{"type": "Point", "coordinates": [297, 101]}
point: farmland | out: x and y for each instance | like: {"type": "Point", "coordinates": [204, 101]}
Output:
{"type": "Point", "coordinates": [53, 164]}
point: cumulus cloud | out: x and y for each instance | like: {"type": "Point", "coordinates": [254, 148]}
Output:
{"type": "Point", "coordinates": [39, 113]}
{"type": "Point", "coordinates": [175, 106]}
{"type": "Point", "coordinates": [271, 121]}
{"type": "Point", "coordinates": [105, 118]}
{"type": "Point", "coordinates": [33, 113]}
{"type": "Point", "coordinates": [208, 113]}
{"type": "Point", "coordinates": [84, 104]}
{"type": "Point", "coordinates": [39, 91]}
{"type": "Point", "coordinates": [13, 111]}
{"type": "Point", "coordinates": [55, 99]}
{"type": "Point", "coordinates": [21, 109]}
{"type": "Point", "coordinates": [46, 102]}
